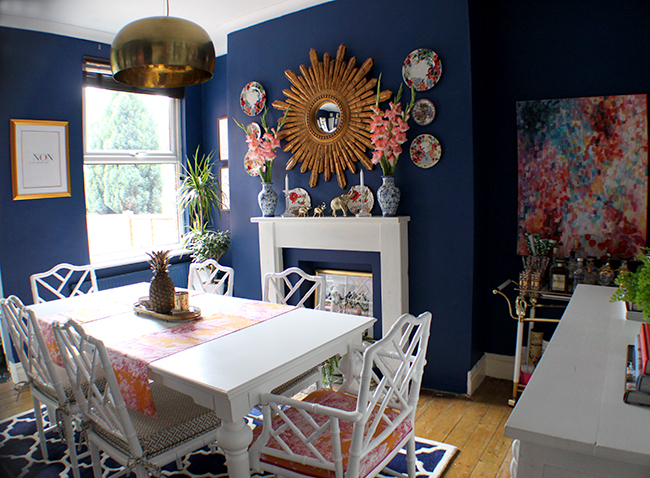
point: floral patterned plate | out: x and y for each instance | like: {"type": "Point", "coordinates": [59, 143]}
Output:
{"type": "Point", "coordinates": [250, 166]}
{"type": "Point", "coordinates": [297, 198]}
{"type": "Point", "coordinates": [425, 151]}
{"type": "Point", "coordinates": [255, 129]}
{"type": "Point", "coordinates": [423, 112]}
{"type": "Point", "coordinates": [362, 199]}
{"type": "Point", "coordinates": [252, 98]}
{"type": "Point", "coordinates": [422, 69]}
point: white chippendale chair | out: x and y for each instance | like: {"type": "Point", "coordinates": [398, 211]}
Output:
{"type": "Point", "coordinates": [48, 382]}
{"type": "Point", "coordinates": [133, 439]}
{"type": "Point", "coordinates": [63, 280]}
{"type": "Point", "coordinates": [281, 287]}
{"type": "Point", "coordinates": [210, 276]}
{"type": "Point", "coordinates": [356, 431]}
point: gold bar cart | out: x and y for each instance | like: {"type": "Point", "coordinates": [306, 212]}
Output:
{"type": "Point", "coordinates": [527, 300]}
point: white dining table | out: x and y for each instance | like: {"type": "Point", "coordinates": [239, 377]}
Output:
{"type": "Point", "coordinates": [227, 374]}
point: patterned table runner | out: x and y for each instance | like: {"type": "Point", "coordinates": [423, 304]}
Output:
{"type": "Point", "coordinates": [81, 316]}
{"type": "Point", "coordinates": [131, 357]}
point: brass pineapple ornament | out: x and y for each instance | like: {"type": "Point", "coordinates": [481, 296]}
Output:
{"type": "Point", "coordinates": [161, 289]}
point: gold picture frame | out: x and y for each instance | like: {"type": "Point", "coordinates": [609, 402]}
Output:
{"type": "Point", "coordinates": [40, 160]}
{"type": "Point", "coordinates": [348, 292]}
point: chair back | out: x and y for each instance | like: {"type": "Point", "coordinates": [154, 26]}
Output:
{"type": "Point", "coordinates": [31, 348]}
{"type": "Point", "coordinates": [210, 276]}
{"type": "Point", "coordinates": [85, 361]}
{"type": "Point", "coordinates": [63, 280]}
{"type": "Point", "coordinates": [390, 378]}
{"type": "Point", "coordinates": [385, 378]}
{"type": "Point", "coordinates": [280, 287]}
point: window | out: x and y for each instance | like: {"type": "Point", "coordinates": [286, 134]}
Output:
{"type": "Point", "coordinates": [131, 167]}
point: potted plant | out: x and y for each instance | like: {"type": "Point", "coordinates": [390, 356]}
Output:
{"type": "Point", "coordinates": [634, 287]}
{"type": "Point", "coordinates": [200, 194]}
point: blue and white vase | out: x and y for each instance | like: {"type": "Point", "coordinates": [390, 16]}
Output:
{"type": "Point", "coordinates": [388, 196]}
{"type": "Point", "coordinates": [268, 200]}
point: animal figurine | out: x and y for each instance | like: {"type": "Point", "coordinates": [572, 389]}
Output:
{"type": "Point", "coordinates": [318, 210]}
{"type": "Point", "coordinates": [303, 211]}
{"type": "Point", "coordinates": [340, 203]}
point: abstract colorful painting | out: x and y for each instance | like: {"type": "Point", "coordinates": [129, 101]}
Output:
{"type": "Point", "coordinates": [583, 173]}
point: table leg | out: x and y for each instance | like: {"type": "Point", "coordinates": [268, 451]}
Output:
{"type": "Point", "coordinates": [234, 438]}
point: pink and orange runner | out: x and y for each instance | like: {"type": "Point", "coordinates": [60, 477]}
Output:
{"type": "Point", "coordinates": [81, 316]}
{"type": "Point", "coordinates": [131, 357]}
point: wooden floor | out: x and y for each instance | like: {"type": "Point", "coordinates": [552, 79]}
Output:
{"type": "Point", "coordinates": [473, 424]}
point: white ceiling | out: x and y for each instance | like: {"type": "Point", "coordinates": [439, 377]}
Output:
{"type": "Point", "coordinates": [100, 20]}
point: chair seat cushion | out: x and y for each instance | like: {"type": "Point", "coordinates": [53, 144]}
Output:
{"type": "Point", "coordinates": [180, 419]}
{"type": "Point", "coordinates": [288, 385]}
{"type": "Point", "coordinates": [323, 444]}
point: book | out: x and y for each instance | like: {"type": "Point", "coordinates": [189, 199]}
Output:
{"type": "Point", "coordinates": [632, 395]}
{"type": "Point", "coordinates": [644, 342]}
{"type": "Point", "coordinates": [642, 380]}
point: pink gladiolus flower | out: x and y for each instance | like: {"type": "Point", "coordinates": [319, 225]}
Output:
{"type": "Point", "coordinates": [400, 137]}
{"type": "Point", "coordinates": [380, 131]}
{"type": "Point", "coordinates": [402, 126]}
{"type": "Point", "coordinates": [387, 134]}
{"type": "Point", "coordinates": [381, 143]}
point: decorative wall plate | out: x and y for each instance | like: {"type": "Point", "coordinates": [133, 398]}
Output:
{"type": "Point", "coordinates": [422, 69]}
{"type": "Point", "coordinates": [297, 198]}
{"type": "Point", "coordinates": [423, 112]}
{"type": "Point", "coordinates": [252, 98]}
{"type": "Point", "coordinates": [255, 129]}
{"type": "Point", "coordinates": [250, 168]}
{"type": "Point", "coordinates": [425, 150]}
{"type": "Point", "coordinates": [362, 199]}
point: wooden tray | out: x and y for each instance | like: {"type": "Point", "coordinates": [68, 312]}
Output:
{"type": "Point", "coordinates": [142, 308]}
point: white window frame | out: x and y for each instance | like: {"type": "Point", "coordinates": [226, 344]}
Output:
{"type": "Point", "coordinates": [174, 156]}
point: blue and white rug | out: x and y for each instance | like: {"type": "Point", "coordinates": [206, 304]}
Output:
{"type": "Point", "coordinates": [20, 456]}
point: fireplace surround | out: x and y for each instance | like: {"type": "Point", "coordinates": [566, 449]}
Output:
{"type": "Point", "coordinates": [386, 235]}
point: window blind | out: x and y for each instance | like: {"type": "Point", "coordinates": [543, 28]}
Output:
{"type": "Point", "coordinates": [97, 73]}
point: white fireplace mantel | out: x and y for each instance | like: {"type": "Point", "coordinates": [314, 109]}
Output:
{"type": "Point", "coordinates": [386, 235]}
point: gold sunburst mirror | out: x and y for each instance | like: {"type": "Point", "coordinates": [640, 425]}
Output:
{"type": "Point", "coordinates": [327, 128]}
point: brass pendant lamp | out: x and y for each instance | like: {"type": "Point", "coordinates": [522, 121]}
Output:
{"type": "Point", "coordinates": [162, 52]}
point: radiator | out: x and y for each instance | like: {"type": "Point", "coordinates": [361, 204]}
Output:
{"type": "Point", "coordinates": [177, 272]}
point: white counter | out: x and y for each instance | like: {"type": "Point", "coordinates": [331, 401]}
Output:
{"type": "Point", "coordinates": [571, 420]}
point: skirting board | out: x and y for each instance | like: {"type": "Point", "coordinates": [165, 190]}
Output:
{"type": "Point", "coordinates": [490, 365]}
{"type": "Point", "coordinates": [17, 372]}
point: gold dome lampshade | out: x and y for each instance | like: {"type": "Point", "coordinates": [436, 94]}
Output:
{"type": "Point", "coordinates": [162, 52]}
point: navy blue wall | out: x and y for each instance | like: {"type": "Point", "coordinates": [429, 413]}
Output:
{"type": "Point", "coordinates": [462, 234]}
{"type": "Point", "coordinates": [439, 200]}
{"type": "Point", "coordinates": [42, 80]}
{"type": "Point", "coordinates": [537, 50]}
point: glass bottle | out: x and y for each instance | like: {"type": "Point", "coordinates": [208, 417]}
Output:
{"type": "Point", "coordinates": [622, 268]}
{"type": "Point", "coordinates": [554, 258]}
{"type": "Point", "coordinates": [578, 274]}
{"type": "Point", "coordinates": [591, 274]}
{"type": "Point", "coordinates": [559, 277]}
{"type": "Point", "coordinates": [606, 274]}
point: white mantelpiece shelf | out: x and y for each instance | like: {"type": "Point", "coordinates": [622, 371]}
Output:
{"type": "Point", "coordinates": [386, 235]}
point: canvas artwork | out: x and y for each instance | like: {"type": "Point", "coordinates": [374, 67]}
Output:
{"type": "Point", "coordinates": [583, 173]}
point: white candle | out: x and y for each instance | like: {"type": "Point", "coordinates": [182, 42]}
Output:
{"type": "Point", "coordinates": [286, 182]}
{"type": "Point", "coordinates": [361, 178]}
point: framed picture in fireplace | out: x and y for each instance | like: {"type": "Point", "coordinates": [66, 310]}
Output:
{"type": "Point", "coordinates": [348, 292]}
